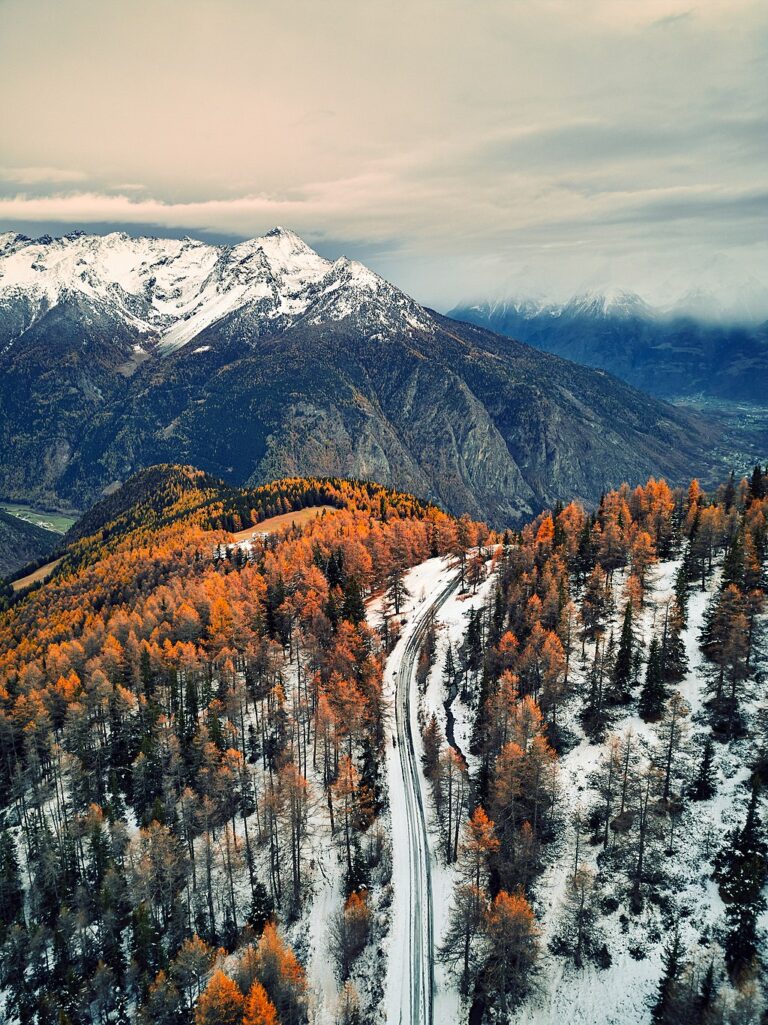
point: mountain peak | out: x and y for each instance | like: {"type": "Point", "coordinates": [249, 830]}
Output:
{"type": "Point", "coordinates": [280, 231]}
{"type": "Point", "coordinates": [617, 302]}
{"type": "Point", "coordinates": [171, 290]}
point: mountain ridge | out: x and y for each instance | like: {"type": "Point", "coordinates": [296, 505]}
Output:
{"type": "Point", "coordinates": [670, 355]}
{"type": "Point", "coordinates": [264, 359]}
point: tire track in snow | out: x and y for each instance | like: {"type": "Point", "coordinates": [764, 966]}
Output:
{"type": "Point", "coordinates": [416, 996]}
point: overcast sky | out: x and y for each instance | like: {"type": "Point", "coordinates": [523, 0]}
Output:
{"type": "Point", "coordinates": [463, 149]}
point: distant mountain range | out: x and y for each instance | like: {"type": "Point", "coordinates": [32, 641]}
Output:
{"type": "Point", "coordinates": [263, 359]}
{"type": "Point", "coordinates": [670, 354]}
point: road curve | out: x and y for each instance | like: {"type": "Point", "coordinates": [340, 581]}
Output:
{"type": "Point", "coordinates": [416, 997]}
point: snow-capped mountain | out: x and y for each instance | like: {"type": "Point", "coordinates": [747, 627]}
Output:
{"type": "Point", "coordinates": [169, 291]}
{"type": "Point", "coordinates": [613, 303]}
{"type": "Point", "coordinates": [263, 359]}
{"type": "Point", "coordinates": [668, 351]}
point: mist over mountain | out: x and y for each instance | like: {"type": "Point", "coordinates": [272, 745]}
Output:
{"type": "Point", "coordinates": [263, 358]}
{"type": "Point", "coordinates": [696, 349]}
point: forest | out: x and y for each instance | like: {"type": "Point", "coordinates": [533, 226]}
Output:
{"type": "Point", "coordinates": [181, 717]}
{"type": "Point", "coordinates": [573, 819]}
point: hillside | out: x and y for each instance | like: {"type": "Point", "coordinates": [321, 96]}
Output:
{"type": "Point", "coordinates": [243, 693]}
{"type": "Point", "coordinates": [669, 355]}
{"type": "Point", "coordinates": [22, 542]}
{"type": "Point", "coordinates": [205, 740]}
{"type": "Point", "coordinates": [264, 360]}
{"type": "Point", "coordinates": [612, 751]}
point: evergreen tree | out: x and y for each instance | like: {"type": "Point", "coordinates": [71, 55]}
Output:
{"type": "Point", "coordinates": [353, 607]}
{"type": "Point", "coordinates": [262, 908]}
{"type": "Point", "coordinates": [733, 562]}
{"type": "Point", "coordinates": [449, 669]}
{"type": "Point", "coordinates": [725, 642]}
{"type": "Point", "coordinates": [682, 582]}
{"type": "Point", "coordinates": [585, 556]}
{"type": "Point", "coordinates": [473, 642]}
{"type": "Point", "coordinates": [757, 483]}
{"type": "Point", "coordinates": [674, 659]}
{"type": "Point", "coordinates": [396, 592]}
{"type": "Point", "coordinates": [741, 870]}
{"type": "Point", "coordinates": [595, 714]}
{"type": "Point", "coordinates": [11, 893]}
{"type": "Point", "coordinates": [595, 604]}
{"type": "Point", "coordinates": [705, 998]}
{"type": "Point", "coordinates": [432, 741]}
{"type": "Point", "coordinates": [498, 615]}
{"type": "Point", "coordinates": [729, 491]}
{"type": "Point", "coordinates": [653, 694]}
{"type": "Point", "coordinates": [621, 674]}
{"type": "Point", "coordinates": [703, 787]}
{"type": "Point", "coordinates": [664, 1006]}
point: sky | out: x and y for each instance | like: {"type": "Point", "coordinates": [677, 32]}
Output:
{"type": "Point", "coordinates": [465, 150]}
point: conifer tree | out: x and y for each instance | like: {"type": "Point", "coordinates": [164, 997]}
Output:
{"type": "Point", "coordinates": [653, 694]}
{"type": "Point", "coordinates": [706, 995]}
{"type": "Point", "coordinates": [665, 1003]}
{"type": "Point", "coordinates": [595, 604]}
{"type": "Point", "coordinates": [703, 787]}
{"type": "Point", "coordinates": [596, 715]}
{"type": "Point", "coordinates": [258, 1008]}
{"type": "Point", "coordinates": [577, 932]}
{"type": "Point", "coordinates": [396, 593]}
{"type": "Point", "coordinates": [432, 740]}
{"type": "Point", "coordinates": [757, 483]}
{"type": "Point", "coordinates": [353, 607]}
{"type": "Point", "coordinates": [673, 655]}
{"type": "Point", "coordinates": [262, 908]}
{"type": "Point", "coordinates": [470, 896]}
{"type": "Point", "coordinates": [741, 870]}
{"type": "Point", "coordinates": [513, 941]}
{"type": "Point", "coordinates": [682, 581]}
{"type": "Point", "coordinates": [11, 893]}
{"type": "Point", "coordinates": [449, 669]}
{"type": "Point", "coordinates": [221, 1003]}
{"type": "Point", "coordinates": [621, 674]}
{"type": "Point", "coordinates": [733, 562]}
{"type": "Point", "coordinates": [671, 736]}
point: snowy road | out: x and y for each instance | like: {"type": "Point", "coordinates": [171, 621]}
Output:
{"type": "Point", "coordinates": [412, 869]}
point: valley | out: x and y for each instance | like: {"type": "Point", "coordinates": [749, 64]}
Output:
{"type": "Point", "coordinates": [328, 753]}
{"type": "Point", "coordinates": [57, 522]}
{"type": "Point", "coordinates": [383, 513]}
{"type": "Point", "coordinates": [25, 539]}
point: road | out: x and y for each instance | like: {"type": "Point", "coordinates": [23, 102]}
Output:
{"type": "Point", "coordinates": [417, 988]}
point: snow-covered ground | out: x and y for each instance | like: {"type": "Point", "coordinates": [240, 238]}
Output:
{"type": "Point", "coordinates": [409, 970]}
{"type": "Point", "coordinates": [623, 993]}
{"type": "Point", "coordinates": [452, 625]}
{"type": "Point", "coordinates": [617, 995]}
{"type": "Point", "coordinates": [425, 583]}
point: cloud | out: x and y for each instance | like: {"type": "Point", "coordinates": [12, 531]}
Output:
{"type": "Point", "coordinates": [672, 19]}
{"type": "Point", "coordinates": [448, 143]}
{"type": "Point", "coordinates": [40, 175]}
